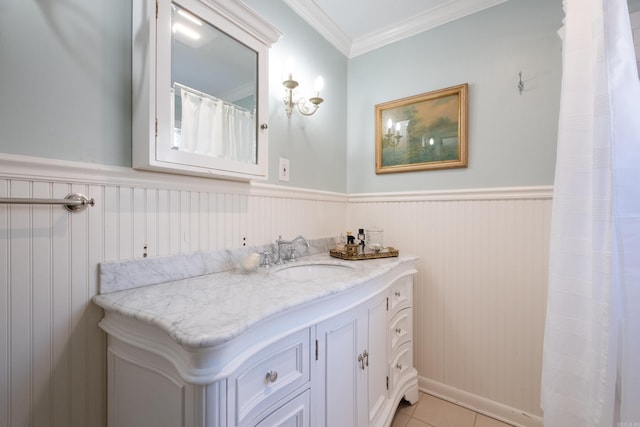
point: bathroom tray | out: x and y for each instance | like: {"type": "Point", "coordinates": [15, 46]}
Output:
{"type": "Point", "coordinates": [389, 252]}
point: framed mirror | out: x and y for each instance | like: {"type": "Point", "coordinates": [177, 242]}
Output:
{"type": "Point", "coordinates": [214, 81]}
{"type": "Point", "coordinates": [207, 85]}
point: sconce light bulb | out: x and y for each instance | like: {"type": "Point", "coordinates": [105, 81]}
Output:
{"type": "Point", "coordinates": [389, 124]}
{"type": "Point", "coordinates": [319, 84]}
{"type": "Point", "coordinates": [290, 68]}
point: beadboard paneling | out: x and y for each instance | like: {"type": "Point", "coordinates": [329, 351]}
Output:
{"type": "Point", "coordinates": [52, 353]}
{"type": "Point", "coordinates": [480, 297]}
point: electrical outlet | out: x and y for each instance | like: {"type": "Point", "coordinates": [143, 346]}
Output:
{"type": "Point", "coordinates": [283, 170]}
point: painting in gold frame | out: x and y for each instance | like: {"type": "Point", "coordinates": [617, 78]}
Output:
{"type": "Point", "coordinates": [423, 132]}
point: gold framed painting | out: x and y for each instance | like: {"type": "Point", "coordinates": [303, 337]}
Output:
{"type": "Point", "coordinates": [423, 132]}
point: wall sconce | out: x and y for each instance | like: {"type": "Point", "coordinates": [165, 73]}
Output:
{"type": "Point", "coordinates": [305, 107]}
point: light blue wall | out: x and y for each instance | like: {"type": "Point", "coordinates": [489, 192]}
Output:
{"type": "Point", "coordinates": [65, 88]}
{"type": "Point", "coordinates": [512, 137]}
{"type": "Point", "coordinates": [316, 146]}
{"type": "Point", "coordinates": [65, 80]}
{"type": "Point", "coordinates": [65, 92]}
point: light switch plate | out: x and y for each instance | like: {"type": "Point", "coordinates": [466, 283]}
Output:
{"type": "Point", "coordinates": [283, 170]}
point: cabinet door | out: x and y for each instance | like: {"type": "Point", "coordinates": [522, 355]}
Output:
{"type": "Point", "coordinates": [377, 350]}
{"type": "Point", "coordinates": [339, 344]}
{"type": "Point", "coordinates": [354, 365]}
{"type": "Point", "coordinates": [184, 108]}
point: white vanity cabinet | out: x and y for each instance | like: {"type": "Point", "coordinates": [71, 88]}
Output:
{"type": "Point", "coordinates": [340, 358]}
{"type": "Point", "coordinates": [359, 353]}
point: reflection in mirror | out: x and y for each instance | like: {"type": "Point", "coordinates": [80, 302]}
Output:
{"type": "Point", "coordinates": [213, 91]}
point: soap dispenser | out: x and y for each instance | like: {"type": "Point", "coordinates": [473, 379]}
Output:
{"type": "Point", "coordinates": [361, 239]}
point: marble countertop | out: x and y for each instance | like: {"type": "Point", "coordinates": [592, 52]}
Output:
{"type": "Point", "coordinates": [210, 309]}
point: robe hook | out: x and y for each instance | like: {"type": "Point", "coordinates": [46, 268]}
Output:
{"type": "Point", "coordinates": [520, 84]}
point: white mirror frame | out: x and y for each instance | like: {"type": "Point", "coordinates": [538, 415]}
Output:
{"type": "Point", "coordinates": [151, 68]}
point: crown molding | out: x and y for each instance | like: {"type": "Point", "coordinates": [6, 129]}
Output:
{"type": "Point", "coordinates": [314, 16]}
{"type": "Point", "coordinates": [427, 20]}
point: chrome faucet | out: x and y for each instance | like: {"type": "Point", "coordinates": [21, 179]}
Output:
{"type": "Point", "coordinates": [292, 252]}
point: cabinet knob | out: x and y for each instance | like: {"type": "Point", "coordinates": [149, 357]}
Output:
{"type": "Point", "coordinates": [264, 126]}
{"type": "Point", "coordinates": [398, 331]}
{"type": "Point", "coordinates": [272, 376]}
{"type": "Point", "coordinates": [399, 367]}
{"type": "Point", "coordinates": [397, 293]}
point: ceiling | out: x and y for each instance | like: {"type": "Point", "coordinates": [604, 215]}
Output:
{"type": "Point", "coordinates": [358, 26]}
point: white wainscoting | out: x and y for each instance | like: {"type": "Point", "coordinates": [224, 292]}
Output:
{"type": "Point", "coordinates": [481, 293]}
{"type": "Point", "coordinates": [52, 354]}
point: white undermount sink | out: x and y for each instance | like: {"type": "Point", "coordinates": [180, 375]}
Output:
{"type": "Point", "coordinates": [312, 271]}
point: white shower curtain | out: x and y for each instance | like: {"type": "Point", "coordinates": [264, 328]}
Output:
{"type": "Point", "coordinates": [591, 356]}
{"type": "Point", "coordinates": [215, 128]}
{"type": "Point", "coordinates": [201, 124]}
{"type": "Point", "coordinates": [241, 135]}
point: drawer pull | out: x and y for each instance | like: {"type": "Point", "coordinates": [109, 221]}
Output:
{"type": "Point", "coordinates": [399, 367]}
{"type": "Point", "coordinates": [361, 360]}
{"type": "Point", "coordinates": [272, 376]}
{"type": "Point", "coordinates": [398, 331]}
{"type": "Point", "coordinates": [397, 293]}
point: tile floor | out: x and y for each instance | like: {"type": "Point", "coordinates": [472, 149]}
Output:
{"type": "Point", "coordinates": [431, 411]}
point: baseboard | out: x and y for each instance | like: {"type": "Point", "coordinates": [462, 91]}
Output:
{"type": "Point", "coordinates": [480, 404]}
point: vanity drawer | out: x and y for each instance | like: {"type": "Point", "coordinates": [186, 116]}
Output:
{"type": "Point", "coordinates": [401, 295]}
{"type": "Point", "coordinates": [400, 330]}
{"type": "Point", "coordinates": [270, 375]}
{"type": "Point", "coordinates": [400, 363]}
{"type": "Point", "coordinates": [295, 412]}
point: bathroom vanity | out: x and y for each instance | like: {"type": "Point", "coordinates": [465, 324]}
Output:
{"type": "Point", "coordinates": [318, 342]}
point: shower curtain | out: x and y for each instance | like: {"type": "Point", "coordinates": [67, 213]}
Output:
{"type": "Point", "coordinates": [241, 134]}
{"type": "Point", "coordinates": [201, 124]}
{"type": "Point", "coordinates": [591, 355]}
{"type": "Point", "coordinates": [215, 128]}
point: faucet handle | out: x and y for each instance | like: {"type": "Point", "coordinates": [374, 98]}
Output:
{"type": "Point", "coordinates": [266, 259]}
{"type": "Point", "coordinates": [292, 253]}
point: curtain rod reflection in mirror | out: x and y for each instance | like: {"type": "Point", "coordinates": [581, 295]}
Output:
{"type": "Point", "coordinates": [211, 97]}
